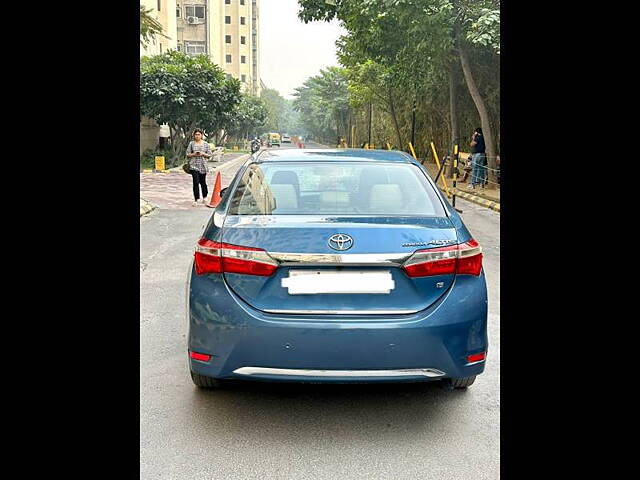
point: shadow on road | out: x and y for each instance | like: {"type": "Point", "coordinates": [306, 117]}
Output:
{"type": "Point", "coordinates": [277, 411]}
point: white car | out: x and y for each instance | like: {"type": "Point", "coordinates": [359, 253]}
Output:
{"type": "Point", "coordinates": [286, 139]}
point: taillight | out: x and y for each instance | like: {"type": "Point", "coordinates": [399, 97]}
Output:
{"type": "Point", "coordinates": [469, 258]}
{"type": "Point", "coordinates": [215, 257]}
{"type": "Point", "coordinates": [462, 259]}
{"type": "Point", "coordinates": [478, 357]}
{"type": "Point", "coordinates": [203, 357]}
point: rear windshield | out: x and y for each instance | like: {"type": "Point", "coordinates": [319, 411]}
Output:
{"type": "Point", "coordinates": [335, 189]}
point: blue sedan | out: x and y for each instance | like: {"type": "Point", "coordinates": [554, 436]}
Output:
{"type": "Point", "coordinates": [340, 265]}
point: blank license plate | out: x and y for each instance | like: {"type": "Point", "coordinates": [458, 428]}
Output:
{"type": "Point", "coordinates": [302, 282]}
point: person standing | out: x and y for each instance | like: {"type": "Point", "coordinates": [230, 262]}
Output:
{"type": "Point", "coordinates": [198, 151]}
{"type": "Point", "coordinates": [478, 159]}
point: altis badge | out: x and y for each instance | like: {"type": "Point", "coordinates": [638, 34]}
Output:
{"type": "Point", "coordinates": [432, 242]}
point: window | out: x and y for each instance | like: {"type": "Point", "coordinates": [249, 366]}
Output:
{"type": "Point", "coordinates": [241, 2]}
{"type": "Point", "coordinates": [227, 2]}
{"type": "Point", "coordinates": [228, 58]}
{"type": "Point", "coordinates": [243, 40]}
{"type": "Point", "coordinates": [227, 39]}
{"type": "Point", "coordinates": [243, 59]}
{"type": "Point", "coordinates": [338, 188]}
{"type": "Point", "coordinates": [194, 11]}
{"type": "Point", "coordinates": [228, 76]}
{"type": "Point", "coordinates": [244, 78]}
{"type": "Point", "coordinates": [179, 47]}
{"type": "Point", "coordinates": [178, 10]}
{"type": "Point", "coordinates": [159, 2]}
{"type": "Point", "coordinates": [241, 20]}
{"type": "Point", "coordinates": [194, 48]}
{"type": "Point", "coordinates": [227, 20]}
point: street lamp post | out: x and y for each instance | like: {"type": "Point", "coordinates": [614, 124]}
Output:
{"type": "Point", "coordinates": [369, 142]}
{"type": "Point", "coordinates": [413, 123]}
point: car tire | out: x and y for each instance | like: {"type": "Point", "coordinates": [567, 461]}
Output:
{"type": "Point", "coordinates": [204, 382]}
{"type": "Point", "coordinates": [463, 382]}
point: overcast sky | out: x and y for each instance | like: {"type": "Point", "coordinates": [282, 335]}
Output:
{"type": "Point", "coordinates": [291, 51]}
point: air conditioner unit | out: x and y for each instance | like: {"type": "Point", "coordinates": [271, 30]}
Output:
{"type": "Point", "coordinates": [193, 20]}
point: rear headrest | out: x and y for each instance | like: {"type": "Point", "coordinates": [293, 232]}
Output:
{"type": "Point", "coordinates": [386, 198]}
{"type": "Point", "coordinates": [286, 177]}
{"type": "Point", "coordinates": [285, 195]}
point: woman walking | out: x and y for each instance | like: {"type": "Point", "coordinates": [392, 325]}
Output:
{"type": "Point", "coordinates": [197, 152]}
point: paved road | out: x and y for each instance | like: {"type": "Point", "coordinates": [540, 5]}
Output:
{"type": "Point", "coordinates": [300, 431]}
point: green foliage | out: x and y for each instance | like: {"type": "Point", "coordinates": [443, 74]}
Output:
{"type": "Point", "coordinates": [149, 27]}
{"type": "Point", "coordinates": [282, 117]}
{"type": "Point", "coordinates": [249, 117]}
{"type": "Point", "coordinates": [187, 92]}
{"type": "Point", "coordinates": [323, 104]}
{"type": "Point", "coordinates": [396, 51]}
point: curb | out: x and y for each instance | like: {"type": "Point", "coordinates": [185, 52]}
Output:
{"type": "Point", "coordinates": [149, 170]}
{"type": "Point", "coordinates": [495, 206]}
{"type": "Point", "coordinates": [146, 208]}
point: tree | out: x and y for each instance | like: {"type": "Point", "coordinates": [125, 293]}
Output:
{"type": "Point", "coordinates": [249, 117]}
{"type": "Point", "coordinates": [417, 40]}
{"type": "Point", "coordinates": [186, 92]}
{"type": "Point", "coordinates": [277, 110]}
{"type": "Point", "coordinates": [323, 104]}
{"type": "Point", "coordinates": [149, 26]}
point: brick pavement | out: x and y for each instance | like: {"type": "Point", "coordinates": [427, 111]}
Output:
{"type": "Point", "coordinates": [174, 190]}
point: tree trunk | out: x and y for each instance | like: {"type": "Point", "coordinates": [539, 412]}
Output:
{"type": "Point", "coordinates": [395, 122]}
{"type": "Point", "coordinates": [482, 111]}
{"type": "Point", "coordinates": [453, 107]}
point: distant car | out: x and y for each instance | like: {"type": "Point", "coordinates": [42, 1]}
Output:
{"type": "Point", "coordinates": [286, 139]}
{"type": "Point", "coordinates": [338, 266]}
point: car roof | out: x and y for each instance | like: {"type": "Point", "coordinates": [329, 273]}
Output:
{"type": "Point", "coordinates": [334, 154]}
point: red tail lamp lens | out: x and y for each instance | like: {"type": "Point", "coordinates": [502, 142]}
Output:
{"type": "Point", "coordinates": [203, 357]}
{"type": "Point", "coordinates": [476, 357]}
{"type": "Point", "coordinates": [215, 257]}
{"type": "Point", "coordinates": [429, 269]}
{"type": "Point", "coordinates": [462, 259]}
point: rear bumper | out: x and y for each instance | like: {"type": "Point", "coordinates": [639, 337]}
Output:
{"type": "Point", "coordinates": [246, 343]}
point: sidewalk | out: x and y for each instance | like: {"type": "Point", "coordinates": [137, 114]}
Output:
{"type": "Point", "coordinates": [175, 191]}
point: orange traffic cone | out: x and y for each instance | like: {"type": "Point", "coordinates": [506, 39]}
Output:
{"type": "Point", "coordinates": [215, 197]}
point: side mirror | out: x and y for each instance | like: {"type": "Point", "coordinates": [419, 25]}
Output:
{"type": "Point", "coordinates": [222, 192]}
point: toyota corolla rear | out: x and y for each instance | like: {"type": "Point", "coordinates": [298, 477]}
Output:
{"type": "Point", "coordinates": [336, 271]}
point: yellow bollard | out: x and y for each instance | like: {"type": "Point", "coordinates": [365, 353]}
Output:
{"type": "Point", "coordinates": [366, 146]}
{"type": "Point", "coordinates": [159, 163]}
{"type": "Point", "coordinates": [388, 146]}
{"type": "Point", "coordinates": [444, 182]}
{"type": "Point", "coordinates": [413, 152]}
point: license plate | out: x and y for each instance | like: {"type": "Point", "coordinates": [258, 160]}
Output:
{"type": "Point", "coordinates": [305, 282]}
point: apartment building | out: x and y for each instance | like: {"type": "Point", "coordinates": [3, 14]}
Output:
{"type": "Point", "coordinates": [224, 30]}
{"type": "Point", "coordinates": [164, 12]}
{"type": "Point", "coordinates": [241, 24]}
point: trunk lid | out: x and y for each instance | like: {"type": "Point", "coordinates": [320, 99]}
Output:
{"type": "Point", "coordinates": [369, 271]}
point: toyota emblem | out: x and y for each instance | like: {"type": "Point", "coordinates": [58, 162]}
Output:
{"type": "Point", "coordinates": [340, 241]}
